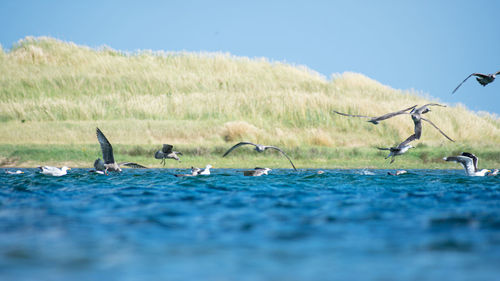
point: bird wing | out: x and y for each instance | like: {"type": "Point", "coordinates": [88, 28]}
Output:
{"type": "Point", "coordinates": [473, 74]}
{"type": "Point", "coordinates": [351, 115]}
{"type": "Point", "coordinates": [276, 148]}
{"type": "Point", "coordinates": [408, 140]}
{"type": "Point", "coordinates": [466, 162]}
{"type": "Point", "coordinates": [437, 129]}
{"type": "Point", "coordinates": [238, 145]}
{"type": "Point", "coordinates": [106, 148]}
{"type": "Point", "coordinates": [167, 148]}
{"type": "Point", "coordinates": [392, 114]}
{"type": "Point", "coordinates": [473, 157]}
{"type": "Point", "coordinates": [383, 148]}
{"type": "Point", "coordinates": [418, 128]}
{"type": "Point", "coordinates": [497, 73]}
{"type": "Point", "coordinates": [99, 165]}
{"type": "Point", "coordinates": [132, 165]}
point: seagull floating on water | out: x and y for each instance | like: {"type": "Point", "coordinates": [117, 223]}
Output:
{"type": "Point", "coordinates": [397, 173]}
{"type": "Point", "coordinates": [375, 120]}
{"type": "Point", "coordinates": [469, 162]}
{"type": "Point", "coordinates": [194, 172]}
{"type": "Point", "coordinates": [15, 172]}
{"type": "Point", "coordinates": [257, 172]}
{"type": "Point", "coordinates": [167, 153]}
{"type": "Point", "coordinates": [107, 155]}
{"type": "Point", "coordinates": [494, 172]}
{"type": "Point", "coordinates": [54, 171]}
{"type": "Point", "coordinates": [260, 148]}
{"type": "Point", "coordinates": [206, 171]}
{"type": "Point", "coordinates": [483, 79]}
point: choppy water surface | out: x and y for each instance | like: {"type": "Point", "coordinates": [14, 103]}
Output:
{"type": "Point", "coordinates": [340, 225]}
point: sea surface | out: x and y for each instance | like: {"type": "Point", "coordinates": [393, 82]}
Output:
{"type": "Point", "coordinates": [339, 225]}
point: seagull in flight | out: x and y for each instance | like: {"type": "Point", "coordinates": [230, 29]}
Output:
{"type": "Point", "coordinates": [469, 162]}
{"type": "Point", "coordinates": [416, 116]}
{"type": "Point", "coordinates": [483, 79]}
{"type": "Point", "coordinates": [260, 148]}
{"type": "Point", "coordinates": [166, 152]}
{"type": "Point", "coordinates": [109, 159]}
{"type": "Point", "coordinates": [375, 120]}
{"type": "Point", "coordinates": [400, 149]}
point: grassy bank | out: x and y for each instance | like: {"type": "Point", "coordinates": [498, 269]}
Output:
{"type": "Point", "coordinates": [54, 92]}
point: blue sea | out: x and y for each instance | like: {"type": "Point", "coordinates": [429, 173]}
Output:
{"type": "Point", "coordinates": [339, 225]}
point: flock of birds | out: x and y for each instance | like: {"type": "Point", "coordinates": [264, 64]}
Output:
{"type": "Point", "coordinates": [468, 160]}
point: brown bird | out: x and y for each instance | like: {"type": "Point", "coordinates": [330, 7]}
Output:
{"type": "Point", "coordinates": [260, 148]}
{"type": "Point", "coordinates": [483, 79]}
{"type": "Point", "coordinates": [166, 152]}
{"type": "Point", "coordinates": [417, 119]}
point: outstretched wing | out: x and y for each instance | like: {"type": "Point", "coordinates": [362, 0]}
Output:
{"type": "Point", "coordinates": [408, 140]}
{"type": "Point", "coordinates": [106, 148]}
{"type": "Point", "coordinates": [466, 162]}
{"type": "Point", "coordinates": [497, 73]}
{"type": "Point", "coordinates": [383, 148]}
{"type": "Point", "coordinates": [238, 145]}
{"type": "Point", "coordinates": [429, 121]}
{"type": "Point", "coordinates": [473, 74]}
{"type": "Point", "coordinates": [282, 152]}
{"type": "Point", "coordinates": [351, 115]}
{"type": "Point", "coordinates": [132, 165]}
{"type": "Point", "coordinates": [473, 157]}
{"type": "Point", "coordinates": [392, 114]}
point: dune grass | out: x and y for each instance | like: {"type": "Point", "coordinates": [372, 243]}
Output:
{"type": "Point", "coordinates": [55, 92]}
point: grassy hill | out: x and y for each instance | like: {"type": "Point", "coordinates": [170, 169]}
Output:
{"type": "Point", "coordinates": [54, 94]}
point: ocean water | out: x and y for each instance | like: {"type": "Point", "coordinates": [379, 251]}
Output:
{"type": "Point", "coordinates": [340, 225]}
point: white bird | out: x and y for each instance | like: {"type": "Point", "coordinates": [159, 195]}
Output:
{"type": "Point", "coordinates": [483, 79]}
{"type": "Point", "coordinates": [206, 171]}
{"type": "Point", "coordinates": [469, 162]}
{"type": "Point", "coordinates": [107, 155]}
{"type": "Point", "coordinates": [14, 173]}
{"type": "Point", "coordinates": [397, 173]}
{"type": "Point", "coordinates": [257, 172]}
{"type": "Point", "coordinates": [54, 171]}
{"type": "Point", "coordinates": [260, 148]}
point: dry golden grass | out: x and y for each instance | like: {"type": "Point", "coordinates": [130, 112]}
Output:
{"type": "Point", "coordinates": [63, 91]}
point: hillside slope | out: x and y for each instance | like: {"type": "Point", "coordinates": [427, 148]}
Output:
{"type": "Point", "coordinates": [55, 92]}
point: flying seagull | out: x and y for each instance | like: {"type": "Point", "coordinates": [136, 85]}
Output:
{"type": "Point", "coordinates": [375, 120]}
{"type": "Point", "coordinates": [469, 162]}
{"type": "Point", "coordinates": [166, 152]}
{"type": "Point", "coordinates": [259, 148]}
{"type": "Point", "coordinates": [400, 149]}
{"type": "Point", "coordinates": [107, 155]}
{"type": "Point", "coordinates": [257, 172]}
{"type": "Point", "coordinates": [416, 116]}
{"type": "Point", "coordinates": [54, 171]}
{"type": "Point", "coordinates": [483, 79]}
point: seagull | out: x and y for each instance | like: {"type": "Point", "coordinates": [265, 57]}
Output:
{"type": "Point", "coordinates": [260, 148]}
{"type": "Point", "coordinates": [194, 172]}
{"type": "Point", "coordinates": [54, 171]}
{"type": "Point", "coordinates": [257, 172]}
{"type": "Point", "coordinates": [14, 173]}
{"type": "Point", "coordinates": [206, 171]}
{"type": "Point", "coordinates": [167, 152]}
{"type": "Point", "coordinates": [494, 172]}
{"type": "Point", "coordinates": [400, 149]}
{"type": "Point", "coordinates": [483, 79]}
{"type": "Point", "coordinates": [417, 119]}
{"type": "Point", "coordinates": [375, 120]}
{"type": "Point", "coordinates": [107, 155]}
{"type": "Point", "coordinates": [469, 162]}
{"type": "Point", "coordinates": [398, 172]}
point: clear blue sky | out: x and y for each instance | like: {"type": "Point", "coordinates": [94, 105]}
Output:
{"type": "Point", "coordinates": [429, 46]}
